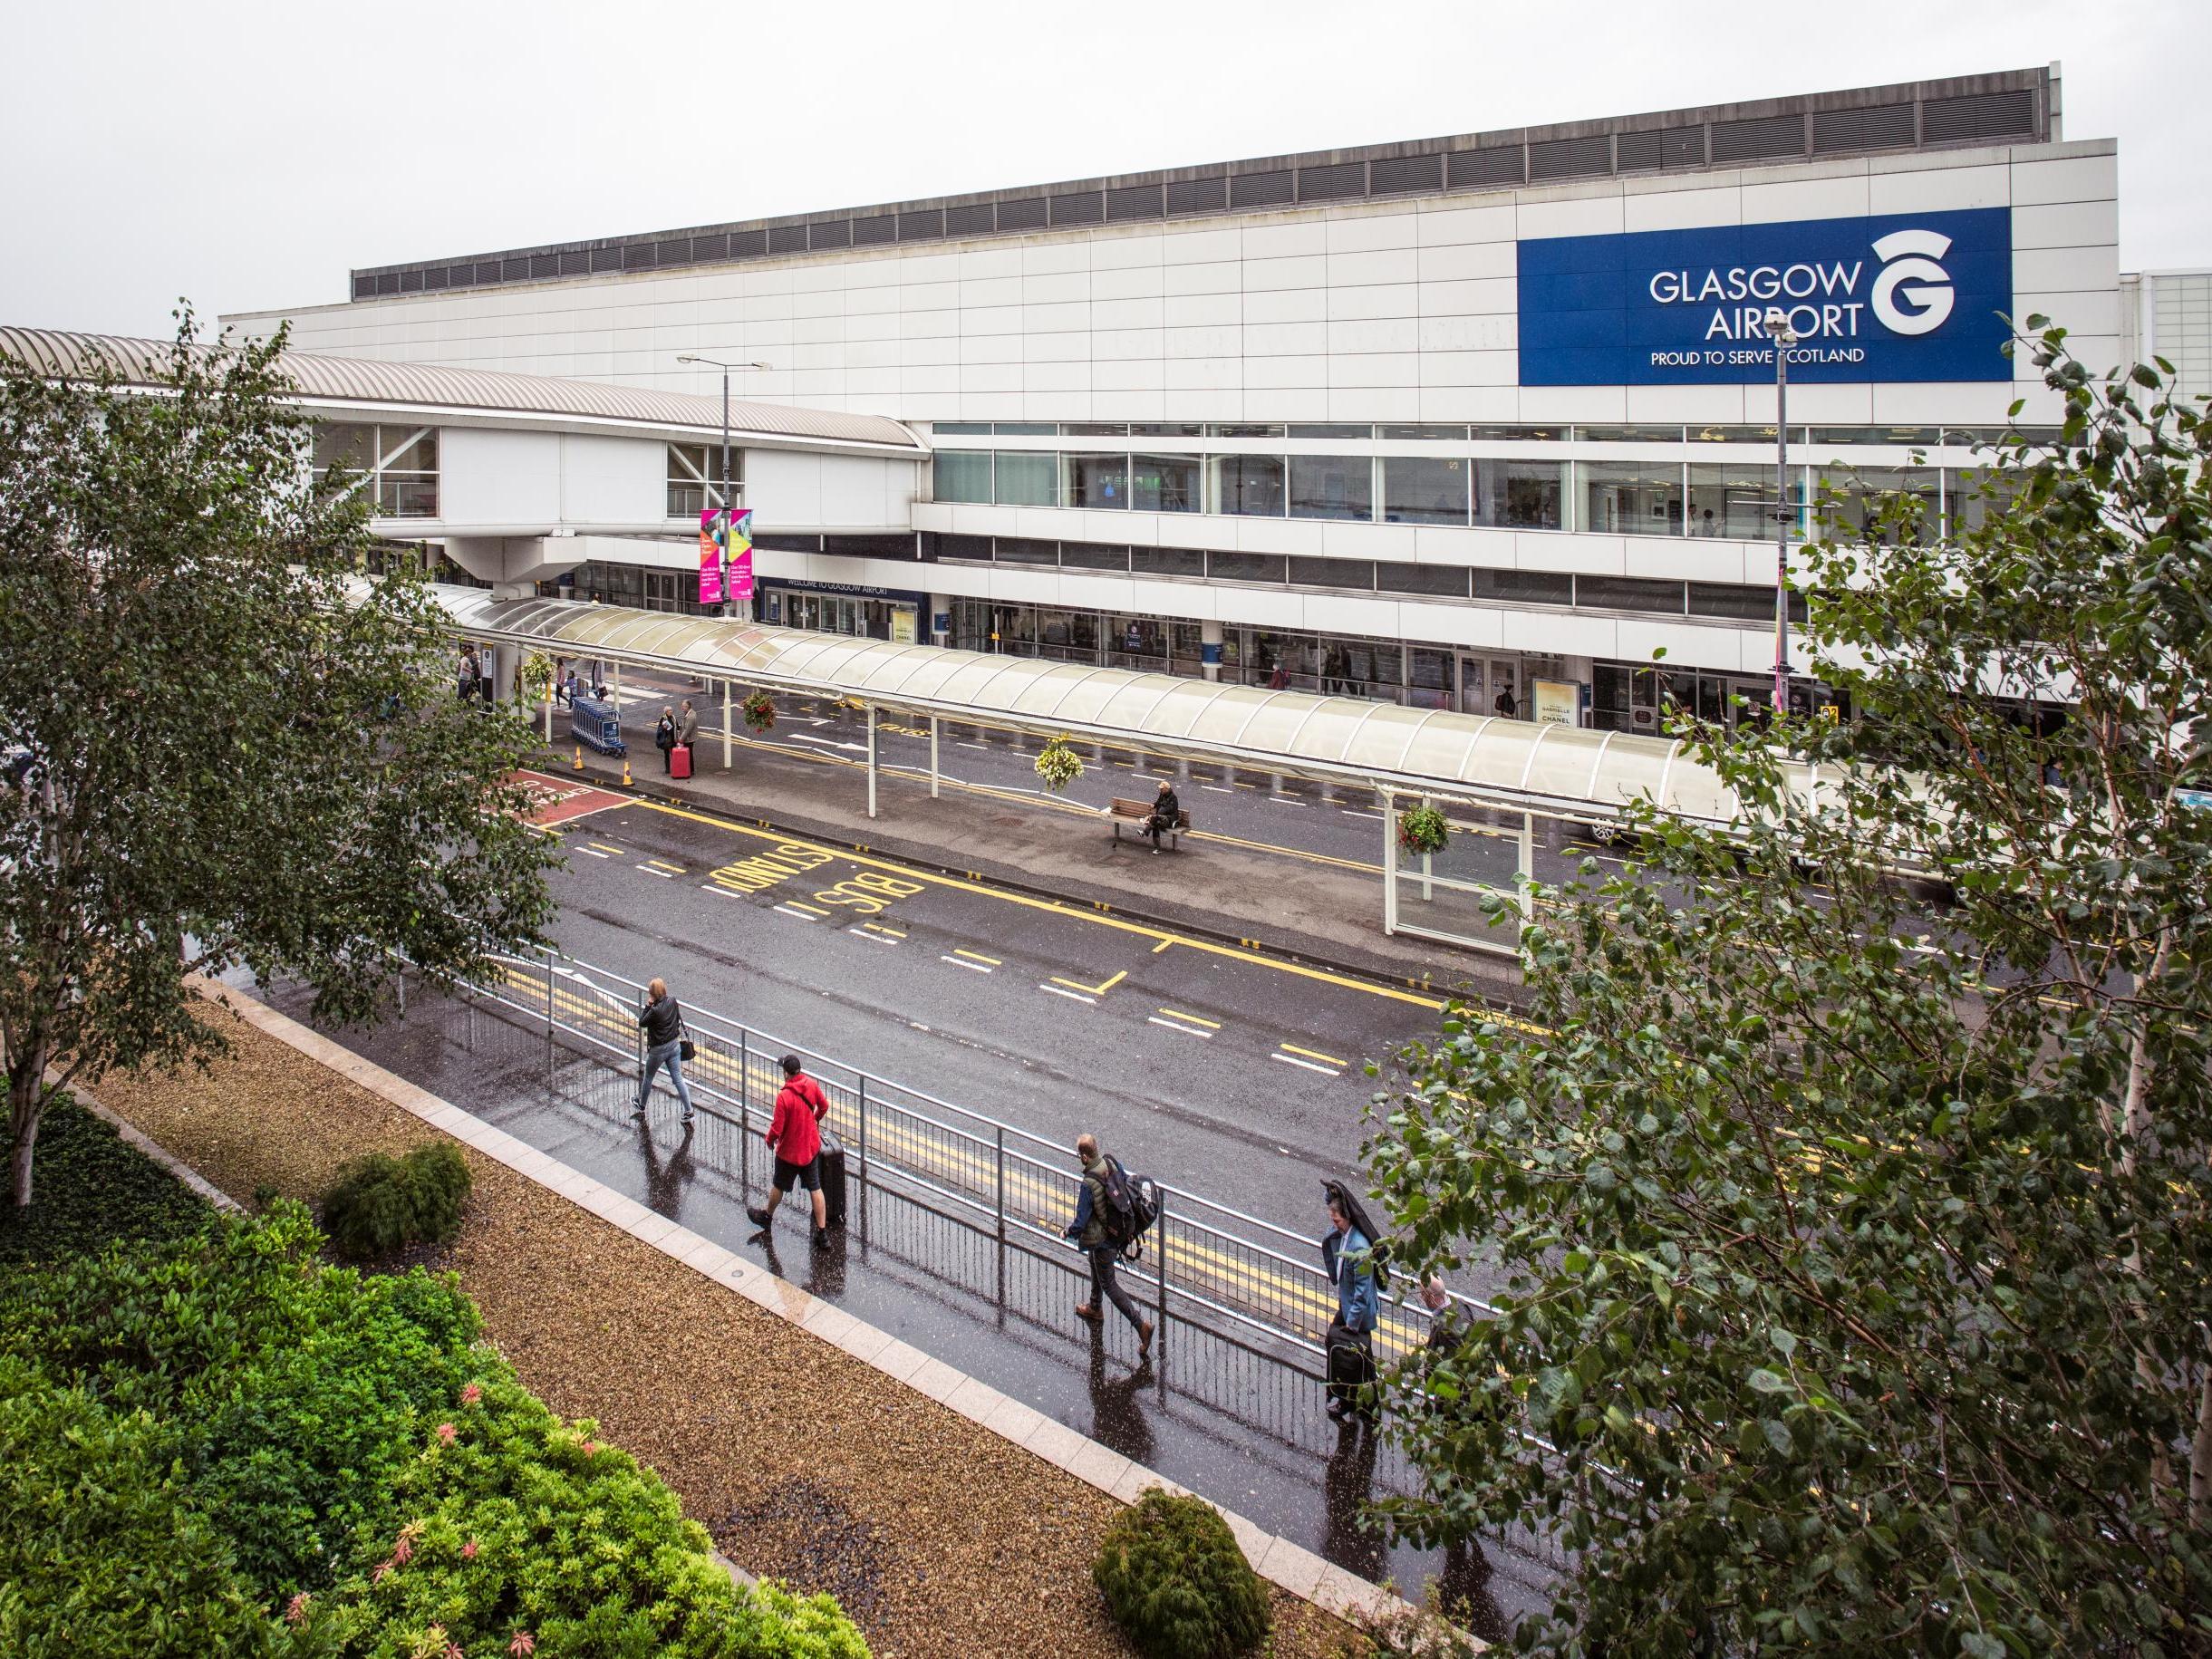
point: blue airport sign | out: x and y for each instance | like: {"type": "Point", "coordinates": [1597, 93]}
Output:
{"type": "Point", "coordinates": [1901, 296]}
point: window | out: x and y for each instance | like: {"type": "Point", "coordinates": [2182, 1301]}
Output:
{"type": "Point", "coordinates": [1244, 430]}
{"type": "Point", "coordinates": [1973, 497]}
{"type": "Point", "coordinates": [1854, 500]}
{"type": "Point", "coordinates": [1097, 480]}
{"type": "Point", "coordinates": [1249, 483]}
{"type": "Point", "coordinates": [397, 465]}
{"type": "Point", "coordinates": [1628, 434]}
{"type": "Point", "coordinates": [1166, 430]}
{"type": "Point", "coordinates": [964, 428]}
{"type": "Point", "coordinates": [1750, 605]}
{"type": "Point", "coordinates": [1164, 483]}
{"type": "Point", "coordinates": [962, 474]}
{"type": "Point", "coordinates": [1332, 487]}
{"type": "Point", "coordinates": [1167, 560]}
{"type": "Point", "coordinates": [1025, 429]}
{"type": "Point", "coordinates": [1429, 678]}
{"type": "Point", "coordinates": [1524, 587]}
{"type": "Point", "coordinates": [1138, 642]}
{"type": "Point", "coordinates": [1739, 501]}
{"type": "Point", "coordinates": [1427, 434]}
{"type": "Point", "coordinates": [1093, 555]}
{"type": "Point", "coordinates": [1023, 479]}
{"type": "Point", "coordinates": [1328, 429]}
{"type": "Point", "coordinates": [694, 478]}
{"type": "Point", "coordinates": [1519, 495]}
{"type": "Point", "coordinates": [1247, 567]}
{"type": "Point", "coordinates": [1516, 434]}
{"type": "Point", "coordinates": [1357, 575]}
{"type": "Point", "coordinates": [1417, 490]}
{"type": "Point", "coordinates": [1630, 593]}
{"type": "Point", "coordinates": [1019, 550]}
{"type": "Point", "coordinates": [1448, 580]}
{"type": "Point", "coordinates": [1630, 497]}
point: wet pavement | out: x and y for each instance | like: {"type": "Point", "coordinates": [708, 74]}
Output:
{"type": "Point", "coordinates": [1240, 1426]}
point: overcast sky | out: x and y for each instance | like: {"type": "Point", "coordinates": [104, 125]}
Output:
{"type": "Point", "coordinates": [247, 156]}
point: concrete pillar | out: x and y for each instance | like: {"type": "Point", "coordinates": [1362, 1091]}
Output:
{"type": "Point", "coordinates": [503, 661]}
{"type": "Point", "coordinates": [1210, 649]}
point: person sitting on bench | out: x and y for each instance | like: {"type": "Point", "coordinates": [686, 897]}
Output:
{"type": "Point", "coordinates": [1166, 814]}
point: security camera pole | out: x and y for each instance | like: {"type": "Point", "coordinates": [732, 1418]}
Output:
{"type": "Point", "coordinates": [1778, 330]}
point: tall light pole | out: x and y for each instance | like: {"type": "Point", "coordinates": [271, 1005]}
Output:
{"type": "Point", "coordinates": [729, 515]}
{"type": "Point", "coordinates": [1778, 331]}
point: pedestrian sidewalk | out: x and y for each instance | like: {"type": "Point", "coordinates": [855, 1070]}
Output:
{"type": "Point", "coordinates": [1315, 909]}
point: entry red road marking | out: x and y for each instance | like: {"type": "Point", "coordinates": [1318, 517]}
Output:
{"type": "Point", "coordinates": [557, 799]}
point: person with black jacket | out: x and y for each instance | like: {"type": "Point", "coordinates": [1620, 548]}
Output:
{"type": "Point", "coordinates": [661, 1020]}
{"type": "Point", "coordinates": [1166, 814]}
{"type": "Point", "coordinates": [664, 738]}
{"type": "Point", "coordinates": [1351, 1255]}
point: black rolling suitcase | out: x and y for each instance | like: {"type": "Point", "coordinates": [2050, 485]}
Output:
{"type": "Point", "coordinates": [831, 1158]}
{"type": "Point", "coordinates": [1351, 1364]}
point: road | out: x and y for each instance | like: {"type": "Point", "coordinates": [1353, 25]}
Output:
{"type": "Point", "coordinates": [1226, 1071]}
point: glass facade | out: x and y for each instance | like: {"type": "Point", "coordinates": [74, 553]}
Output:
{"type": "Point", "coordinates": [1332, 487]}
{"type": "Point", "coordinates": [694, 478]}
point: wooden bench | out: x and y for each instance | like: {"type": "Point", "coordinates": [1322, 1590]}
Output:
{"type": "Point", "coordinates": [1139, 812]}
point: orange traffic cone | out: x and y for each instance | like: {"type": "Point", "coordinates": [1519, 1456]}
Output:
{"type": "Point", "coordinates": [625, 771]}
{"type": "Point", "coordinates": [579, 757]}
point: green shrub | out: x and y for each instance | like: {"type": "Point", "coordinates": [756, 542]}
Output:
{"type": "Point", "coordinates": [93, 1189]}
{"type": "Point", "coordinates": [295, 1388]}
{"type": "Point", "coordinates": [101, 1551]}
{"type": "Point", "coordinates": [380, 1203]}
{"type": "Point", "coordinates": [1176, 1583]}
{"type": "Point", "coordinates": [517, 1522]}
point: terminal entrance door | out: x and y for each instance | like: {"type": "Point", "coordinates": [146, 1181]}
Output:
{"type": "Point", "coordinates": [1483, 678]}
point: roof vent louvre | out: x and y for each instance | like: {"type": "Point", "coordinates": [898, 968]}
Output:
{"type": "Point", "coordinates": [973, 220]}
{"type": "Point", "coordinates": [1493, 165]}
{"type": "Point", "coordinates": [1978, 115]}
{"type": "Point", "coordinates": [1402, 175]}
{"type": "Point", "coordinates": [1197, 195]}
{"type": "Point", "coordinates": [1887, 126]}
{"type": "Point", "coordinates": [1580, 158]}
{"type": "Point", "coordinates": [1025, 213]}
{"type": "Point", "coordinates": [1762, 139]}
{"type": "Point", "coordinates": [1138, 201]}
{"type": "Point", "coordinates": [1078, 207]}
{"type": "Point", "coordinates": [870, 232]}
{"type": "Point", "coordinates": [1262, 190]}
{"type": "Point", "coordinates": [1339, 182]}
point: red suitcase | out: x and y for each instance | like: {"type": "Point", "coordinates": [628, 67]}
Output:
{"type": "Point", "coordinates": [679, 761]}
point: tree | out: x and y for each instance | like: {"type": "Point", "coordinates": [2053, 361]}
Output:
{"type": "Point", "coordinates": [228, 747]}
{"type": "Point", "coordinates": [1852, 1240]}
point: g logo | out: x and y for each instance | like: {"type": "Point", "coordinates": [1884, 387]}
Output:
{"type": "Point", "coordinates": [1908, 258]}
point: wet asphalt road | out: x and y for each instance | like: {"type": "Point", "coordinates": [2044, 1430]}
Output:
{"type": "Point", "coordinates": [1226, 1072]}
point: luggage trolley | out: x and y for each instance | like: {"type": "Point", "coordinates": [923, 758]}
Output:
{"type": "Point", "coordinates": [598, 723]}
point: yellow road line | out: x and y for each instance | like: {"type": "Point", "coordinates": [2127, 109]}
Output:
{"type": "Point", "coordinates": [1197, 1019]}
{"type": "Point", "coordinates": [1163, 945]}
{"type": "Point", "coordinates": [1315, 1054]}
{"type": "Point", "coordinates": [615, 852]}
{"type": "Point", "coordinates": [661, 864]}
{"type": "Point", "coordinates": [1096, 919]}
{"type": "Point", "coordinates": [1095, 991]}
{"type": "Point", "coordinates": [977, 956]}
{"type": "Point", "coordinates": [878, 928]}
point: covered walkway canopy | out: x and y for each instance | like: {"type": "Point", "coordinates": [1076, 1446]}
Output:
{"type": "Point", "coordinates": [1482, 759]}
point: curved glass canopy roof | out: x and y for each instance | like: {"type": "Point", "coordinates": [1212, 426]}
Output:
{"type": "Point", "coordinates": [1485, 759]}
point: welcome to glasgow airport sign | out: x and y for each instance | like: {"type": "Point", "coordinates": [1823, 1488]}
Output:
{"type": "Point", "coordinates": [1907, 296]}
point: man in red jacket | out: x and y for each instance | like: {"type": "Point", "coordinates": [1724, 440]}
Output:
{"type": "Point", "coordinates": [795, 1137]}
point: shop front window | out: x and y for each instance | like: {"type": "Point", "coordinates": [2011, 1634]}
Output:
{"type": "Point", "coordinates": [1097, 480]}
{"type": "Point", "coordinates": [1738, 502]}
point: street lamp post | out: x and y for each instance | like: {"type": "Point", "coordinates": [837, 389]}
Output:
{"type": "Point", "coordinates": [1778, 331]}
{"type": "Point", "coordinates": [729, 515]}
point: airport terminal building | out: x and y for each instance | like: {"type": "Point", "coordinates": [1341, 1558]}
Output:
{"type": "Point", "coordinates": [1479, 422]}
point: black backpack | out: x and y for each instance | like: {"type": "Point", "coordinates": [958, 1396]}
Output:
{"type": "Point", "coordinates": [1132, 1205]}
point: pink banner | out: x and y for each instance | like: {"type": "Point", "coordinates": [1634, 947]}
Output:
{"type": "Point", "coordinates": [741, 578]}
{"type": "Point", "coordinates": [709, 559]}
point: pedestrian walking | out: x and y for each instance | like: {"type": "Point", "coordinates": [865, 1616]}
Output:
{"type": "Point", "coordinates": [664, 738]}
{"type": "Point", "coordinates": [795, 1137]}
{"type": "Point", "coordinates": [1350, 1257]}
{"type": "Point", "coordinates": [661, 1020]}
{"type": "Point", "coordinates": [1104, 1214]}
{"type": "Point", "coordinates": [1166, 814]}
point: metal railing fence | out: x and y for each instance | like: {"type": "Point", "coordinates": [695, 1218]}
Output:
{"type": "Point", "coordinates": [1208, 1263]}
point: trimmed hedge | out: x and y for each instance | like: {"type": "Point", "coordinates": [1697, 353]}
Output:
{"type": "Point", "coordinates": [227, 1423]}
{"type": "Point", "coordinates": [379, 1203]}
{"type": "Point", "coordinates": [1176, 1582]}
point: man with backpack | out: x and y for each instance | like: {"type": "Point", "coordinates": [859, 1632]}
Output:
{"type": "Point", "coordinates": [1108, 1219]}
{"type": "Point", "coordinates": [795, 1137]}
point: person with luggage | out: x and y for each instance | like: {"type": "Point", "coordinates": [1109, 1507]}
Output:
{"type": "Point", "coordinates": [1350, 1257]}
{"type": "Point", "coordinates": [1106, 1222]}
{"type": "Point", "coordinates": [1166, 814]}
{"type": "Point", "coordinates": [661, 1020]}
{"type": "Point", "coordinates": [664, 738]}
{"type": "Point", "coordinates": [795, 1137]}
{"type": "Point", "coordinates": [687, 724]}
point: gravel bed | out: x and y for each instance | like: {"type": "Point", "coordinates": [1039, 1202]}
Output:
{"type": "Point", "coordinates": [805, 1464]}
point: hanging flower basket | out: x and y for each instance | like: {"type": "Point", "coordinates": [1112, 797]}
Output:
{"type": "Point", "coordinates": [1423, 829]}
{"type": "Point", "coordinates": [534, 678]}
{"type": "Point", "coordinates": [760, 710]}
{"type": "Point", "coordinates": [1059, 764]}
